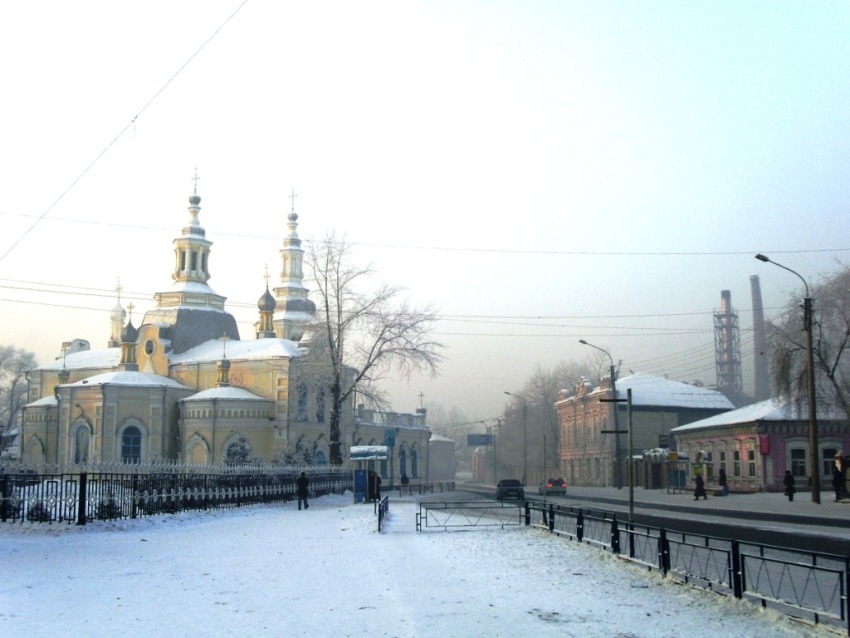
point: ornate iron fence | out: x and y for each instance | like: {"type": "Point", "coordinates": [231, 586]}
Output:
{"type": "Point", "coordinates": [64, 497]}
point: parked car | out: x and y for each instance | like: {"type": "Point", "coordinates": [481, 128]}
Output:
{"type": "Point", "coordinates": [553, 486]}
{"type": "Point", "coordinates": [510, 488]}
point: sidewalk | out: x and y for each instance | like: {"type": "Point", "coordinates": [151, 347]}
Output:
{"type": "Point", "coordinates": [763, 506]}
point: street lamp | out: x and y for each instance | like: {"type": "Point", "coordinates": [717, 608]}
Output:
{"type": "Point", "coordinates": [618, 479]}
{"type": "Point", "coordinates": [814, 456]}
{"type": "Point", "coordinates": [524, 434]}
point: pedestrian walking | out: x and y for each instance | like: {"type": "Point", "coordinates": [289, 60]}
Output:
{"type": "Point", "coordinates": [700, 487]}
{"type": "Point", "coordinates": [789, 485]}
{"type": "Point", "coordinates": [838, 481]}
{"type": "Point", "coordinates": [721, 481]}
{"type": "Point", "coordinates": [302, 483]}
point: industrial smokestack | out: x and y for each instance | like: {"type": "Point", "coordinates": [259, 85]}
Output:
{"type": "Point", "coordinates": [761, 379]}
{"type": "Point", "coordinates": [727, 354]}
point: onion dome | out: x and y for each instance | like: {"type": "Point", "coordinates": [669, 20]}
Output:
{"type": "Point", "coordinates": [267, 302]}
{"type": "Point", "coordinates": [194, 199]}
{"type": "Point", "coordinates": [129, 334]}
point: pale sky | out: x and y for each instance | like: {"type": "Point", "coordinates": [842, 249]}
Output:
{"type": "Point", "coordinates": [541, 172]}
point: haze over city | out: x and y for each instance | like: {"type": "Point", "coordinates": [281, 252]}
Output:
{"type": "Point", "coordinates": [540, 172]}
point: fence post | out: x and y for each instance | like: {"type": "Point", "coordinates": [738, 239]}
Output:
{"type": "Point", "coordinates": [6, 504]}
{"type": "Point", "coordinates": [81, 506]}
{"type": "Point", "coordinates": [551, 517]}
{"type": "Point", "coordinates": [846, 590]}
{"type": "Point", "coordinates": [580, 526]}
{"type": "Point", "coordinates": [737, 576]}
{"type": "Point", "coordinates": [527, 513]}
{"type": "Point", "coordinates": [133, 499]}
{"type": "Point", "coordinates": [615, 535]}
{"type": "Point", "coordinates": [663, 552]}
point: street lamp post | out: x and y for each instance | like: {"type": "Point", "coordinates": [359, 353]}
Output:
{"type": "Point", "coordinates": [524, 434]}
{"type": "Point", "coordinates": [618, 478]}
{"type": "Point", "coordinates": [814, 455]}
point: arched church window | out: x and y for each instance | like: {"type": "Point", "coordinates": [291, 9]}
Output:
{"type": "Point", "coordinates": [320, 458]}
{"type": "Point", "coordinates": [320, 405]}
{"type": "Point", "coordinates": [131, 445]}
{"type": "Point", "coordinates": [302, 401]}
{"type": "Point", "coordinates": [402, 462]}
{"type": "Point", "coordinates": [193, 261]}
{"type": "Point", "coordinates": [81, 444]}
{"type": "Point", "coordinates": [414, 464]}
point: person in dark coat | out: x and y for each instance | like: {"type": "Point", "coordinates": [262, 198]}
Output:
{"type": "Point", "coordinates": [700, 488]}
{"type": "Point", "coordinates": [302, 483]}
{"type": "Point", "coordinates": [838, 482]}
{"type": "Point", "coordinates": [721, 481]}
{"type": "Point", "coordinates": [789, 485]}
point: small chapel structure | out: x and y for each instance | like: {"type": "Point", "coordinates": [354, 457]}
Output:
{"type": "Point", "coordinates": [184, 387]}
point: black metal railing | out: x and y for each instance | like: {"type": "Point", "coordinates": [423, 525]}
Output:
{"type": "Point", "coordinates": [99, 495]}
{"type": "Point", "coordinates": [445, 515]}
{"type": "Point", "coordinates": [810, 585]}
{"type": "Point", "coordinates": [382, 509]}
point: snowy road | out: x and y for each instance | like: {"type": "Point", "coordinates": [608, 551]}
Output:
{"type": "Point", "coordinates": [275, 571]}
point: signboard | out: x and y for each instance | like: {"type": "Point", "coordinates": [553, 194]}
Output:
{"type": "Point", "coordinates": [662, 441]}
{"type": "Point", "coordinates": [389, 437]}
{"type": "Point", "coordinates": [764, 444]}
{"type": "Point", "coordinates": [476, 440]}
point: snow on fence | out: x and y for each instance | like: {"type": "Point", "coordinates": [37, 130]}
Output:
{"type": "Point", "coordinates": [810, 584]}
{"type": "Point", "coordinates": [80, 497]}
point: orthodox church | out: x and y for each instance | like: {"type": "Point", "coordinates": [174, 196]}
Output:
{"type": "Point", "coordinates": [184, 387]}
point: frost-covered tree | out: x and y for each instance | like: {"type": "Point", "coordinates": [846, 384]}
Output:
{"type": "Point", "coordinates": [367, 332]}
{"type": "Point", "coordinates": [14, 364]}
{"type": "Point", "coordinates": [830, 342]}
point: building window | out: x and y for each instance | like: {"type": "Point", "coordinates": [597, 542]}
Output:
{"type": "Point", "coordinates": [751, 463]}
{"type": "Point", "coordinates": [402, 462]}
{"type": "Point", "coordinates": [722, 459]}
{"type": "Point", "coordinates": [828, 460]}
{"type": "Point", "coordinates": [320, 458]}
{"type": "Point", "coordinates": [302, 401]}
{"type": "Point", "coordinates": [798, 461]}
{"type": "Point", "coordinates": [414, 464]}
{"type": "Point", "coordinates": [131, 445]}
{"type": "Point", "coordinates": [320, 405]}
{"type": "Point", "coordinates": [736, 463]}
{"type": "Point", "coordinates": [81, 444]}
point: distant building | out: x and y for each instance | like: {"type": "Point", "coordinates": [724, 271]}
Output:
{"type": "Point", "coordinates": [588, 456]}
{"type": "Point", "coordinates": [184, 387]}
{"type": "Point", "coordinates": [757, 443]}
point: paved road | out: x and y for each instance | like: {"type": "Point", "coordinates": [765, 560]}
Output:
{"type": "Point", "coordinates": [763, 518]}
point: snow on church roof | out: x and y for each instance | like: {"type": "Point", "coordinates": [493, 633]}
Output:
{"type": "Point", "coordinates": [107, 358]}
{"type": "Point", "coordinates": [126, 377]}
{"type": "Point", "coordinates": [227, 393]}
{"type": "Point", "coordinates": [238, 350]}
{"type": "Point", "coordinates": [769, 410]}
{"type": "Point", "coordinates": [648, 390]}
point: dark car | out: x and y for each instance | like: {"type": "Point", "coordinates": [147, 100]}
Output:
{"type": "Point", "coordinates": [510, 488]}
{"type": "Point", "coordinates": [553, 486]}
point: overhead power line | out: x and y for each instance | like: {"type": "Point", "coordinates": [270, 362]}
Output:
{"type": "Point", "coordinates": [119, 135]}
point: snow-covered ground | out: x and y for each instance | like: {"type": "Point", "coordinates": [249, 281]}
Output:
{"type": "Point", "coordinates": [275, 571]}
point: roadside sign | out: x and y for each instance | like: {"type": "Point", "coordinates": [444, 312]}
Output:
{"type": "Point", "coordinates": [476, 440]}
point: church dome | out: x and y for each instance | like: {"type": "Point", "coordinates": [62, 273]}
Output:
{"type": "Point", "coordinates": [301, 305]}
{"type": "Point", "coordinates": [129, 334]}
{"type": "Point", "coordinates": [194, 199]}
{"type": "Point", "coordinates": [267, 302]}
{"type": "Point", "coordinates": [118, 313]}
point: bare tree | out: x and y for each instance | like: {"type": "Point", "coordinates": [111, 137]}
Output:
{"type": "Point", "coordinates": [540, 393]}
{"type": "Point", "coordinates": [830, 341]}
{"type": "Point", "coordinates": [366, 334]}
{"type": "Point", "coordinates": [14, 364]}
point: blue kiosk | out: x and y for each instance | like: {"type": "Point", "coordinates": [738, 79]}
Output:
{"type": "Point", "coordinates": [361, 457]}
